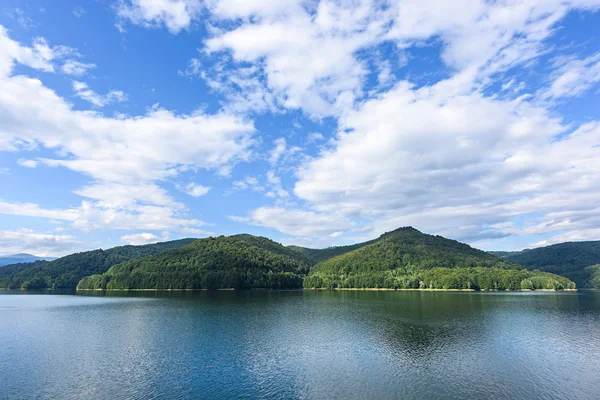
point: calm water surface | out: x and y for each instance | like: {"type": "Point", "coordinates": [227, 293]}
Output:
{"type": "Point", "coordinates": [313, 345]}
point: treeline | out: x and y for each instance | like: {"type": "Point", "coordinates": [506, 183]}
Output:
{"type": "Point", "coordinates": [401, 259]}
{"type": "Point", "coordinates": [238, 262]}
{"type": "Point", "coordinates": [444, 278]}
{"type": "Point", "coordinates": [232, 279]}
{"type": "Point", "coordinates": [66, 272]}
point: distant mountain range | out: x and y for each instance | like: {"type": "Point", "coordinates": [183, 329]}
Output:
{"type": "Point", "coordinates": [402, 259]}
{"type": "Point", "coordinates": [22, 258]}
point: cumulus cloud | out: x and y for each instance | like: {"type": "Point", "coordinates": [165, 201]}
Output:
{"type": "Point", "coordinates": [40, 244]}
{"type": "Point", "coordinates": [76, 68]}
{"type": "Point", "coordinates": [137, 239]}
{"type": "Point", "coordinates": [195, 190]}
{"type": "Point", "coordinates": [124, 155]}
{"type": "Point", "coordinates": [306, 57]}
{"type": "Point", "coordinates": [175, 15]}
{"type": "Point", "coordinates": [445, 157]}
{"type": "Point", "coordinates": [453, 165]}
{"type": "Point", "coordinates": [296, 222]}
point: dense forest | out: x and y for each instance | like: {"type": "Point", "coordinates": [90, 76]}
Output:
{"type": "Point", "coordinates": [569, 259]}
{"type": "Point", "coordinates": [407, 251]}
{"type": "Point", "coordinates": [239, 262]}
{"type": "Point", "coordinates": [402, 259]}
{"type": "Point", "coordinates": [408, 259]}
{"type": "Point", "coordinates": [593, 281]}
{"type": "Point", "coordinates": [478, 278]}
{"type": "Point", "coordinates": [317, 255]}
{"type": "Point", "coordinates": [66, 272]}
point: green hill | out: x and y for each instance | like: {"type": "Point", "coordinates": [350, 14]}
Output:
{"type": "Point", "coordinates": [569, 259]}
{"type": "Point", "coordinates": [66, 272]}
{"type": "Point", "coordinates": [318, 255]}
{"type": "Point", "coordinates": [407, 258]}
{"type": "Point", "coordinates": [240, 262]}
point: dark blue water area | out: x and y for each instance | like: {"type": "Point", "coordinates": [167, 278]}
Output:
{"type": "Point", "coordinates": [300, 344]}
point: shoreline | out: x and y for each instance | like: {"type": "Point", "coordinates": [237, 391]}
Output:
{"type": "Point", "coordinates": [323, 289]}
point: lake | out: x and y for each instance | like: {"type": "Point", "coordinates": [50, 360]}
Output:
{"type": "Point", "coordinates": [300, 344]}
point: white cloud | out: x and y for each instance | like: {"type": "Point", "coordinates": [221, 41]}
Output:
{"type": "Point", "coordinates": [20, 17]}
{"type": "Point", "coordinates": [307, 56]}
{"type": "Point", "coordinates": [137, 239]}
{"type": "Point", "coordinates": [275, 188]}
{"type": "Point", "coordinates": [40, 244]}
{"type": "Point", "coordinates": [27, 163]}
{"type": "Point", "coordinates": [83, 91]}
{"type": "Point", "coordinates": [76, 68]}
{"type": "Point", "coordinates": [124, 155]}
{"type": "Point", "coordinates": [451, 164]}
{"type": "Point", "coordinates": [574, 236]}
{"type": "Point", "coordinates": [315, 137]}
{"type": "Point", "coordinates": [34, 210]}
{"type": "Point", "coordinates": [573, 77]}
{"type": "Point", "coordinates": [196, 190]}
{"type": "Point", "coordinates": [296, 222]}
{"type": "Point", "coordinates": [277, 151]}
{"type": "Point", "coordinates": [282, 153]}
{"type": "Point", "coordinates": [173, 14]}
{"type": "Point", "coordinates": [195, 232]}
{"type": "Point", "coordinates": [248, 183]}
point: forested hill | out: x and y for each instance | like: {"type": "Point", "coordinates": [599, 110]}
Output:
{"type": "Point", "coordinates": [407, 258]}
{"type": "Point", "coordinates": [66, 272]}
{"type": "Point", "coordinates": [568, 259]}
{"type": "Point", "coordinates": [408, 249]}
{"type": "Point", "coordinates": [404, 258]}
{"type": "Point", "coordinates": [239, 262]}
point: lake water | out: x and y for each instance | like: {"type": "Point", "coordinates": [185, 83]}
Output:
{"type": "Point", "coordinates": [294, 344]}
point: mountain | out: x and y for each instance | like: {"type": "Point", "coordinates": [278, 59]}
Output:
{"type": "Point", "coordinates": [404, 258]}
{"type": "Point", "coordinates": [568, 259]}
{"type": "Point", "coordinates": [22, 258]}
{"type": "Point", "coordinates": [239, 261]}
{"type": "Point", "coordinates": [407, 258]}
{"type": "Point", "coordinates": [66, 272]}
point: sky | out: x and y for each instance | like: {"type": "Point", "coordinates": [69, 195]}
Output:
{"type": "Point", "coordinates": [314, 123]}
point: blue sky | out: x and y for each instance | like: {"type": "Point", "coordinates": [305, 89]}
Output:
{"type": "Point", "coordinates": [316, 123]}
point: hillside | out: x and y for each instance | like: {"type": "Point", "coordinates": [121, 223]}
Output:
{"type": "Point", "coordinates": [407, 258]}
{"type": "Point", "coordinates": [22, 258]}
{"type": "Point", "coordinates": [240, 262]}
{"type": "Point", "coordinates": [66, 272]}
{"type": "Point", "coordinates": [567, 259]}
{"type": "Point", "coordinates": [318, 255]}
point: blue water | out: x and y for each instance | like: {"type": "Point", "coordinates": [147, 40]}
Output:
{"type": "Point", "coordinates": [312, 345]}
